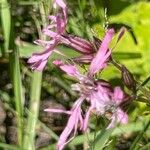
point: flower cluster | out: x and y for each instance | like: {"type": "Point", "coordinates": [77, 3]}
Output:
{"type": "Point", "coordinates": [99, 94]}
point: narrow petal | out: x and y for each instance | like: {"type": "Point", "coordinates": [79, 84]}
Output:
{"type": "Point", "coordinates": [118, 117]}
{"type": "Point", "coordinates": [122, 116]}
{"type": "Point", "coordinates": [87, 116]}
{"type": "Point", "coordinates": [54, 31]}
{"type": "Point", "coordinates": [102, 55]}
{"type": "Point", "coordinates": [81, 121]}
{"type": "Point", "coordinates": [60, 3]}
{"type": "Point", "coordinates": [39, 57]}
{"type": "Point", "coordinates": [66, 132]}
{"type": "Point", "coordinates": [64, 9]}
{"type": "Point", "coordinates": [118, 95]}
{"type": "Point", "coordinates": [57, 111]}
{"type": "Point", "coordinates": [72, 124]}
{"type": "Point", "coordinates": [60, 24]}
{"type": "Point", "coordinates": [40, 66]}
{"type": "Point", "coordinates": [44, 43]}
{"type": "Point", "coordinates": [52, 17]}
{"type": "Point", "coordinates": [58, 62]}
{"type": "Point", "coordinates": [71, 70]}
{"type": "Point", "coordinates": [39, 60]}
{"type": "Point", "coordinates": [50, 33]}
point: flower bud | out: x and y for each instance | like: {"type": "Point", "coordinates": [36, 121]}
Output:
{"type": "Point", "coordinates": [128, 79]}
{"type": "Point", "coordinates": [83, 59]}
{"type": "Point", "coordinates": [80, 45]}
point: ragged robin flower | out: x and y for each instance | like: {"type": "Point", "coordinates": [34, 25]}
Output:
{"type": "Point", "coordinates": [102, 98]}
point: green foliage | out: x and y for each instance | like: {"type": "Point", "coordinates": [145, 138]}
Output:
{"type": "Point", "coordinates": [136, 16]}
{"type": "Point", "coordinates": [6, 24]}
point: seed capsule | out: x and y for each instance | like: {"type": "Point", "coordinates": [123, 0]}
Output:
{"type": "Point", "coordinates": [128, 79]}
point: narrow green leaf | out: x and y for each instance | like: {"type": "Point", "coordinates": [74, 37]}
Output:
{"type": "Point", "coordinates": [28, 143]}
{"type": "Point", "coordinates": [15, 76]}
{"type": "Point", "coordinates": [134, 145]}
{"type": "Point", "coordinates": [48, 130]}
{"type": "Point", "coordinates": [145, 82]}
{"type": "Point", "coordinates": [6, 24]}
{"type": "Point", "coordinates": [132, 127]}
{"type": "Point", "coordinates": [17, 86]}
{"type": "Point", "coordinates": [126, 55]}
{"type": "Point", "coordinates": [28, 2]}
{"type": "Point", "coordinates": [27, 49]}
{"type": "Point", "coordinates": [101, 139]}
{"type": "Point", "coordinates": [9, 147]}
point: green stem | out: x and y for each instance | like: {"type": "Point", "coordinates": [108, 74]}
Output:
{"type": "Point", "coordinates": [29, 138]}
{"type": "Point", "coordinates": [18, 94]}
{"type": "Point", "coordinates": [15, 76]}
{"type": "Point", "coordinates": [134, 145]}
{"type": "Point", "coordinates": [34, 111]}
{"type": "Point", "coordinates": [5, 15]}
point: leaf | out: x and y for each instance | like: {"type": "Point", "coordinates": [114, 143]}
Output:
{"type": "Point", "coordinates": [6, 23]}
{"type": "Point", "coordinates": [102, 138]}
{"type": "Point", "coordinates": [9, 147]}
{"type": "Point", "coordinates": [27, 49]}
{"type": "Point", "coordinates": [139, 22]}
{"type": "Point", "coordinates": [134, 145]}
{"type": "Point", "coordinates": [129, 128]}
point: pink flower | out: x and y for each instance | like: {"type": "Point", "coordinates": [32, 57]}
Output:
{"type": "Point", "coordinates": [54, 31]}
{"type": "Point", "coordinates": [90, 48]}
{"type": "Point", "coordinates": [119, 116]}
{"type": "Point", "coordinates": [103, 54]}
{"type": "Point", "coordinates": [101, 97]}
{"type": "Point", "coordinates": [98, 93]}
{"type": "Point", "coordinates": [74, 120]}
{"type": "Point", "coordinates": [39, 60]}
{"type": "Point", "coordinates": [103, 100]}
{"type": "Point", "coordinates": [69, 69]}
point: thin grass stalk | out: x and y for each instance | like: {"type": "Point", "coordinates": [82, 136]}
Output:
{"type": "Point", "coordinates": [29, 138]}
{"type": "Point", "coordinates": [15, 76]}
{"type": "Point", "coordinates": [8, 147]}
{"type": "Point", "coordinates": [18, 94]}
{"type": "Point", "coordinates": [6, 25]}
{"type": "Point", "coordinates": [134, 145]}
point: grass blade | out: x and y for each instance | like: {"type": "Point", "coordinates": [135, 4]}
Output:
{"type": "Point", "coordinates": [101, 139]}
{"type": "Point", "coordinates": [6, 24]}
{"type": "Point", "coordinates": [9, 147]}
{"type": "Point", "coordinates": [17, 83]}
{"type": "Point", "coordinates": [28, 143]}
{"type": "Point", "coordinates": [132, 127]}
{"type": "Point", "coordinates": [17, 87]}
{"type": "Point", "coordinates": [138, 138]}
